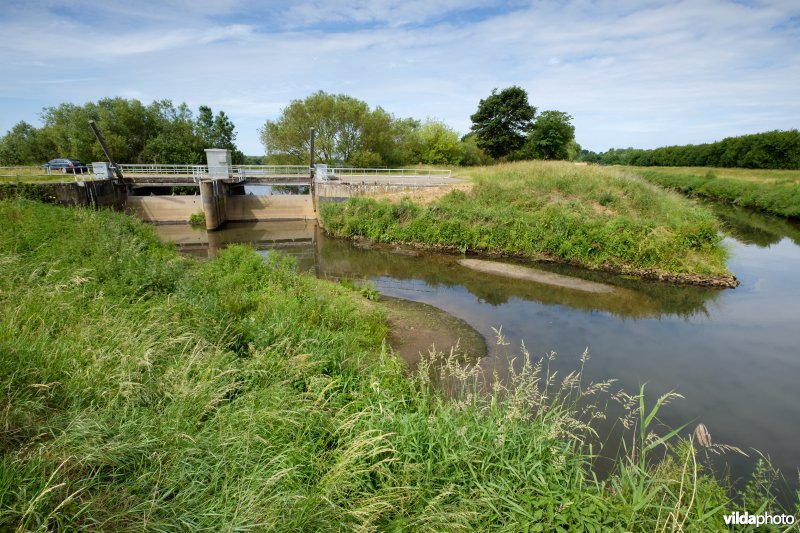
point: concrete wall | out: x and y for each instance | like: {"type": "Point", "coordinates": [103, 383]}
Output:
{"type": "Point", "coordinates": [163, 209]}
{"type": "Point", "coordinates": [333, 189]}
{"type": "Point", "coordinates": [174, 209]}
{"type": "Point", "coordinates": [94, 193]}
{"type": "Point", "coordinates": [278, 207]}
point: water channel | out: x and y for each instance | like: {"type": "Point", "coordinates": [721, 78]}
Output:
{"type": "Point", "coordinates": [733, 354]}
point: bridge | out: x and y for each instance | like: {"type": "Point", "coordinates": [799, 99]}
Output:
{"type": "Point", "coordinates": [221, 192]}
{"type": "Point", "coordinates": [188, 175]}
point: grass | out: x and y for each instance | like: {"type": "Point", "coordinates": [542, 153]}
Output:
{"type": "Point", "coordinates": [590, 216]}
{"type": "Point", "coordinates": [140, 389]}
{"type": "Point", "coordinates": [772, 191]}
{"type": "Point", "coordinates": [197, 219]}
{"type": "Point", "coordinates": [29, 174]}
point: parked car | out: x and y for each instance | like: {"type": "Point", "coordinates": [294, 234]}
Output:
{"type": "Point", "coordinates": [69, 166]}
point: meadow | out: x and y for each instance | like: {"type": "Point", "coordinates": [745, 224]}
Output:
{"type": "Point", "coordinates": [772, 191]}
{"type": "Point", "coordinates": [595, 217]}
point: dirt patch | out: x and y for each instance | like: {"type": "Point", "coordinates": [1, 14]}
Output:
{"type": "Point", "coordinates": [423, 195]}
{"type": "Point", "coordinates": [416, 328]}
{"type": "Point", "coordinates": [532, 274]}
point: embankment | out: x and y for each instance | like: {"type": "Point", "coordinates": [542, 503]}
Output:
{"type": "Point", "coordinates": [772, 191]}
{"type": "Point", "coordinates": [592, 217]}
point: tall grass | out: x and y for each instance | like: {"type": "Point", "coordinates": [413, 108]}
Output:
{"type": "Point", "coordinates": [140, 389]}
{"type": "Point", "coordinates": [771, 191]}
{"type": "Point", "coordinates": [590, 216]}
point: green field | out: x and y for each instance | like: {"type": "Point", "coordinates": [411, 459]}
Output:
{"type": "Point", "coordinates": [772, 191]}
{"type": "Point", "coordinates": [595, 217]}
{"type": "Point", "coordinates": [143, 390]}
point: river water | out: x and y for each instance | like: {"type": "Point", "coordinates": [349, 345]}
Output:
{"type": "Point", "coordinates": [734, 354]}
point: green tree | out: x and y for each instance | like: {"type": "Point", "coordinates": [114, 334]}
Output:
{"type": "Point", "coordinates": [347, 132]}
{"type": "Point", "coordinates": [135, 133]}
{"type": "Point", "coordinates": [177, 141]}
{"type": "Point", "coordinates": [552, 136]}
{"type": "Point", "coordinates": [218, 132]}
{"type": "Point", "coordinates": [440, 144]}
{"type": "Point", "coordinates": [502, 121]}
{"type": "Point", "coordinates": [25, 145]}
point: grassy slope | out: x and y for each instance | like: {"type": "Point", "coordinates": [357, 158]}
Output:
{"type": "Point", "coordinates": [590, 216]}
{"type": "Point", "coordinates": [773, 191]}
{"type": "Point", "coordinates": [141, 389]}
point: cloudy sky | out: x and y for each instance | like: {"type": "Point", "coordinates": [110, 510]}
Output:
{"type": "Point", "coordinates": [631, 72]}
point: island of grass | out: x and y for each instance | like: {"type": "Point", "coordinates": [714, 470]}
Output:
{"type": "Point", "coordinates": [772, 191]}
{"type": "Point", "coordinates": [594, 217]}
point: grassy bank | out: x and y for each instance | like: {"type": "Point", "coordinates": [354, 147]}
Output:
{"type": "Point", "coordinates": [772, 191]}
{"type": "Point", "coordinates": [589, 216]}
{"type": "Point", "coordinates": [143, 390]}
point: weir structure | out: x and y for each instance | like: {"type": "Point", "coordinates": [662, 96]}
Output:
{"type": "Point", "coordinates": [226, 191]}
{"type": "Point", "coordinates": [221, 191]}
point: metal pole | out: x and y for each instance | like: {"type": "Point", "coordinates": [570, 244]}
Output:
{"type": "Point", "coordinates": [312, 173]}
{"type": "Point", "coordinates": [102, 142]}
{"type": "Point", "coordinates": [312, 152]}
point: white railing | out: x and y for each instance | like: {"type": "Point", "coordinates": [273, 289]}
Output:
{"type": "Point", "coordinates": [163, 170]}
{"type": "Point", "coordinates": [240, 173]}
{"type": "Point", "coordinates": [272, 170]}
{"type": "Point", "coordinates": [390, 172]}
{"type": "Point", "coordinates": [389, 176]}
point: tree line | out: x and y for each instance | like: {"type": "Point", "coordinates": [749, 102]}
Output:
{"type": "Point", "coordinates": [350, 133]}
{"type": "Point", "coordinates": [160, 132]}
{"type": "Point", "coordinates": [768, 150]}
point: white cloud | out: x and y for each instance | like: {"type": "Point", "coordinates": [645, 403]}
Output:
{"type": "Point", "coordinates": [631, 73]}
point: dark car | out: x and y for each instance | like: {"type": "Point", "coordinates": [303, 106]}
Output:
{"type": "Point", "coordinates": [70, 166]}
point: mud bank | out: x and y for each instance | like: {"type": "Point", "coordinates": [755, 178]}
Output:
{"type": "Point", "coordinates": [416, 328]}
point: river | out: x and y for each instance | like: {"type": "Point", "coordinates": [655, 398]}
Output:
{"type": "Point", "coordinates": [734, 354]}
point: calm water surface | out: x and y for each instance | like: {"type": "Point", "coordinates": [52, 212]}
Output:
{"type": "Point", "coordinates": [733, 354]}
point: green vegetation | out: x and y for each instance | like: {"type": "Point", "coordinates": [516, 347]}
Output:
{"type": "Point", "coordinates": [552, 137]}
{"type": "Point", "coordinates": [502, 121]}
{"type": "Point", "coordinates": [772, 191]}
{"type": "Point", "coordinates": [507, 128]}
{"type": "Point", "coordinates": [135, 133]}
{"type": "Point", "coordinates": [197, 219]}
{"type": "Point", "coordinates": [144, 390]}
{"type": "Point", "coordinates": [772, 149]}
{"type": "Point", "coordinates": [589, 216]}
{"type": "Point", "coordinates": [349, 133]}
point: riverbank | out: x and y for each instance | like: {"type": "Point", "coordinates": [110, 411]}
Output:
{"type": "Point", "coordinates": [772, 191]}
{"type": "Point", "coordinates": [591, 217]}
{"type": "Point", "coordinates": [143, 389]}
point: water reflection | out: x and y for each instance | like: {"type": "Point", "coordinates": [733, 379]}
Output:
{"type": "Point", "coordinates": [752, 227]}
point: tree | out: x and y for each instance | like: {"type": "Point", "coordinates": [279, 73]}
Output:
{"type": "Point", "coordinates": [440, 144]}
{"type": "Point", "coordinates": [217, 132]}
{"type": "Point", "coordinates": [347, 133]}
{"type": "Point", "coordinates": [134, 132]}
{"type": "Point", "coordinates": [24, 145]}
{"type": "Point", "coordinates": [502, 121]}
{"type": "Point", "coordinates": [552, 136]}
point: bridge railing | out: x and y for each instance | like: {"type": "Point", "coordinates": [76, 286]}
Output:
{"type": "Point", "coordinates": [271, 170]}
{"type": "Point", "coordinates": [163, 170]}
{"type": "Point", "coordinates": [390, 176]}
{"type": "Point", "coordinates": [390, 172]}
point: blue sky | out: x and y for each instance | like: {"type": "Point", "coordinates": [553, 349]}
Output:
{"type": "Point", "coordinates": [631, 73]}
